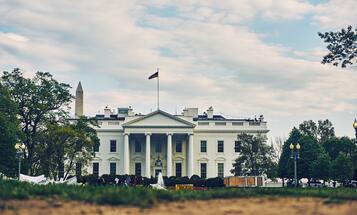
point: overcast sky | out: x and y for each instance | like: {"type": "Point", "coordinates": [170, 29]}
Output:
{"type": "Point", "coordinates": [243, 57]}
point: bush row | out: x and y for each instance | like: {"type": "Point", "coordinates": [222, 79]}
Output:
{"type": "Point", "coordinates": [139, 180]}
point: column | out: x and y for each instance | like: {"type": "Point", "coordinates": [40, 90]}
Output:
{"type": "Point", "coordinates": [126, 154]}
{"type": "Point", "coordinates": [169, 155]}
{"type": "Point", "coordinates": [147, 155]}
{"type": "Point", "coordinates": [190, 155]}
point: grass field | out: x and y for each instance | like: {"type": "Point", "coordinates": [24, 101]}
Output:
{"type": "Point", "coordinates": [142, 196]}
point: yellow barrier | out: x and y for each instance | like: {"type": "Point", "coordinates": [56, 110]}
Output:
{"type": "Point", "coordinates": [184, 187]}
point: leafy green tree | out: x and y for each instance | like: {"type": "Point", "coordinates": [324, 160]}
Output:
{"type": "Point", "coordinates": [285, 164]}
{"type": "Point", "coordinates": [61, 146]}
{"type": "Point", "coordinates": [342, 46]}
{"type": "Point", "coordinates": [9, 131]}
{"type": "Point", "coordinates": [40, 100]}
{"type": "Point", "coordinates": [308, 128]}
{"type": "Point", "coordinates": [337, 145]}
{"type": "Point", "coordinates": [256, 157]}
{"type": "Point", "coordinates": [325, 130]}
{"type": "Point", "coordinates": [320, 168]}
{"type": "Point", "coordinates": [342, 168]}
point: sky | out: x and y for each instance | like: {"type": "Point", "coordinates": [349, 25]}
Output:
{"type": "Point", "coordinates": [243, 57]}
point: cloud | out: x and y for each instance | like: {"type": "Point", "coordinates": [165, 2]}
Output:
{"type": "Point", "coordinates": [206, 52]}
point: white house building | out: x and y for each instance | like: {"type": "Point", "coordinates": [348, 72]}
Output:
{"type": "Point", "coordinates": [176, 145]}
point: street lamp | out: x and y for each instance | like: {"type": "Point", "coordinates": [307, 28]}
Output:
{"type": "Point", "coordinates": [355, 127]}
{"type": "Point", "coordinates": [20, 147]}
{"type": "Point", "coordinates": [295, 155]}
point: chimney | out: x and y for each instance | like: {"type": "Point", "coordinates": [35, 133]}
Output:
{"type": "Point", "coordinates": [210, 112]}
{"type": "Point", "coordinates": [107, 112]}
{"type": "Point", "coordinates": [78, 109]}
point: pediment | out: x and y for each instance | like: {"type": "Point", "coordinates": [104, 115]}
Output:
{"type": "Point", "coordinates": [158, 119]}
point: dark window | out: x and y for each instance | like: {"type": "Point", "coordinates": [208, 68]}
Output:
{"type": "Point", "coordinates": [178, 169]}
{"type": "Point", "coordinates": [178, 146]}
{"type": "Point", "coordinates": [113, 168]}
{"type": "Point", "coordinates": [113, 146]}
{"type": "Point", "coordinates": [237, 146]}
{"type": "Point", "coordinates": [158, 147]}
{"type": "Point", "coordinates": [220, 170]}
{"type": "Point", "coordinates": [203, 146]}
{"type": "Point", "coordinates": [203, 170]}
{"type": "Point", "coordinates": [96, 169]}
{"type": "Point", "coordinates": [220, 146]}
{"type": "Point", "coordinates": [138, 169]}
{"type": "Point", "coordinates": [78, 169]}
{"type": "Point", "coordinates": [137, 147]}
{"type": "Point", "coordinates": [96, 147]}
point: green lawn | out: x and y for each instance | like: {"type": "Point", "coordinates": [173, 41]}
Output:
{"type": "Point", "coordinates": [142, 196]}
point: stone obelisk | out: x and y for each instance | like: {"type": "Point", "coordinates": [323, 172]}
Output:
{"type": "Point", "coordinates": [78, 109]}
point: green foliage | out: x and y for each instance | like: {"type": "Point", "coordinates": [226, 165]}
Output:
{"type": "Point", "coordinates": [9, 131]}
{"type": "Point", "coordinates": [342, 47]}
{"type": "Point", "coordinates": [40, 100]}
{"type": "Point", "coordinates": [321, 167]}
{"type": "Point", "coordinates": [256, 157]}
{"type": "Point", "coordinates": [142, 196]}
{"type": "Point", "coordinates": [322, 131]}
{"type": "Point", "coordinates": [342, 168]}
{"type": "Point", "coordinates": [337, 145]}
{"type": "Point", "coordinates": [66, 144]}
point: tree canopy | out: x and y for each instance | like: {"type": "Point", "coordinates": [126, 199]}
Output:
{"type": "Point", "coordinates": [256, 157]}
{"type": "Point", "coordinates": [342, 46]}
{"type": "Point", "coordinates": [40, 100]}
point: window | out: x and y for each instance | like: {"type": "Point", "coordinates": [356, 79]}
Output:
{"type": "Point", "coordinates": [138, 169]}
{"type": "Point", "coordinates": [203, 123]}
{"type": "Point", "coordinates": [220, 146]}
{"type": "Point", "coordinates": [178, 169]}
{"type": "Point", "coordinates": [96, 147]}
{"type": "Point", "coordinates": [78, 169]}
{"type": "Point", "coordinates": [254, 123]}
{"type": "Point", "coordinates": [137, 146]}
{"type": "Point", "coordinates": [178, 146]}
{"type": "Point", "coordinates": [203, 145]}
{"type": "Point", "coordinates": [237, 146]}
{"type": "Point", "coordinates": [158, 147]}
{"type": "Point", "coordinates": [220, 123]}
{"type": "Point", "coordinates": [113, 168]}
{"type": "Point", "coordinates": [113, 145]}
{"type": "Point", "coordinates": [96, 169]}
{"type": "Point", "coordinates": [237, 123]}
{"type": "Point", "coordinates": [203, 170]}
{"type": "Point", "coordinates": [220, 170]}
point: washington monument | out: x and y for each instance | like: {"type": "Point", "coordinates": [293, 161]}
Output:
{"type": "Point", "coordinates": [78, 110]}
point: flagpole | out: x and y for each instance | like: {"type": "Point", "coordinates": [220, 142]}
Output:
{"type": "Point", "coordinates": [158, 90]}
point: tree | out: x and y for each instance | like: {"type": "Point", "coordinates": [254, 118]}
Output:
{"type": "Point", "coordinates": [285, 164]}
{"type": "Point", "coordinates": [325, 130]}
{"type": "Point", "coordinates": [62, 146]}
{"type": "Point", "coordinates": [342, 168]}
{"type": "Point", "coordinates": [256, 157]}
{"type": "Point", "coordinates": [9, 131]}
{"type": "Point", "coordinates": [342, 47]}
{"type": "Point", "coordinates": [308, 128]}
{"type": "Point", "coordinates": [320, 168]}
{"type": "Point", "coordinates": [40, 100]}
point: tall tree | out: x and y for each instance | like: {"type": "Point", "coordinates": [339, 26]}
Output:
{"type": "Point", "coordinates": [342, 168]}
{"type": "Point", "coordinates": [61, 146]}
{"type": "Point", "coordinates": [342, 46]}
{"type": "Point", "coordinates": [40, 100]}
{"type": "Point", "coordinates": [285, 165]}
{"type": "Point", "coordinates": [320, 168]}
{"type": "Point", "coordinates": [256, 157]}
{"type": "Point", "coordinates": [337, 145]}
{"type": "Point", "coordinates": [325, 130]}
{"type": "Point", "coordinates": [308, 128]}
{"type": "Point", "coordinates": [9, 131]}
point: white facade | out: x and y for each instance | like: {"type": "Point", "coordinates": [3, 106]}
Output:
{"type": "Point", "coordinates": [125, 138]}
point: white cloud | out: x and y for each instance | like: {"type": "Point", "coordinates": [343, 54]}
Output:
{"type": "Point", "coordinates": [218, 60]}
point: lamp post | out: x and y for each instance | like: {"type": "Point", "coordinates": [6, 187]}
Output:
{"type": "Point", "coordinates": [20, 147]}
{"type": "Point", "coordinates": [355, 127]}
{"type": "Point", "coordinates": [295, 155]}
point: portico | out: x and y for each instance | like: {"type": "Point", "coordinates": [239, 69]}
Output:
{"type": "Point", "coordinates": [149, 143]}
